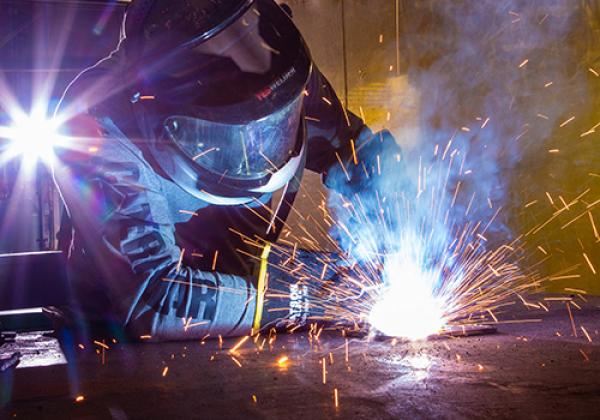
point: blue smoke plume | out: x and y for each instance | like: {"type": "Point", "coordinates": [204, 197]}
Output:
{"type": "Point", "coordinates": [491, 76]}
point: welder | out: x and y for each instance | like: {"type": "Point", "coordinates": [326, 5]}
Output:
{"type": "Point", "coordinates": [205, 112]}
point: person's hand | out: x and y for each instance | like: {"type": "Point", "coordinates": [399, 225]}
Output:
{"type": "Point", "coordinates": [372, 185]}
{"type": "Point", "coordinates": [376, 163]}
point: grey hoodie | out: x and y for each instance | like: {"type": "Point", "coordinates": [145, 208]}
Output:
{"type": "Point", "coordinates": [143, 250]}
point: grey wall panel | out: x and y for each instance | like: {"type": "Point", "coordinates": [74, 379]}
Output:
{"type": "Point", "coordinates": [371, 40]}
{"type": "Point", "coordinates": [321, 25]}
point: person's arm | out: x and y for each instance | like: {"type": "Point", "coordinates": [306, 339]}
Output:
{"type": "Point", "coordinates": [115, 201]}
{"type": "Point", "coordinates": [341, 146]}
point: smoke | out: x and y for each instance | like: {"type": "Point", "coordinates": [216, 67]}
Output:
{"type": "Point", "coordinates": [495, 79]}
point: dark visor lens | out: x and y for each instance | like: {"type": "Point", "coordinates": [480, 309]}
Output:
{"type": "Point", "coordinates": [241, 151]}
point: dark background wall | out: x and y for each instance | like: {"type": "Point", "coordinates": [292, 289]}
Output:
{"type": "Point", "coordinates": [43, 45]}
{"type": "Point", "coordinates": [51, 41]}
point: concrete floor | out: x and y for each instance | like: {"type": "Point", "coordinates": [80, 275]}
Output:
{"type": "Point", "coordinates": [525, 371]}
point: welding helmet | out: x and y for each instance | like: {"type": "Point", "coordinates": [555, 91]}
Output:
{"type": "Point", "coordinates": [227, 80]}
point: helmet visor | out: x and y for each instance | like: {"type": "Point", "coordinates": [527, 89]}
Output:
{"type": "Point", "coordinates": [241, 151]}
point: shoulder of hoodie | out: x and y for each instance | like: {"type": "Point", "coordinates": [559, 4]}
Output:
{"type": "Point", "coordinates": [88, 104]}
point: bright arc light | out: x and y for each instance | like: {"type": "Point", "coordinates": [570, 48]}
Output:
{"type": "Point", "coordinates": [33, 137]}
{"type": "Point", "coordinates": [407, 307]}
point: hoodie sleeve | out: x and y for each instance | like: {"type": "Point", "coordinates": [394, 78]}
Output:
{"type": "Point", "coordinates": [330, 127]}
{"type": "Point", "coordinates": [340, 145]}
{"type": "Point", "coordinates": [115, 201]}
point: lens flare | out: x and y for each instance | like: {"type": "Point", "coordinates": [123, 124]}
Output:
{"type": "Point", "coordinates": [34, 138]}
{"type": "Point", "coordinates": [31, 137]}
{"type": "Point", "coordinates": [407, 306]}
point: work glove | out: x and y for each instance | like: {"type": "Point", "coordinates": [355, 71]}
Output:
{"type": "Point", "coordinates": [372, 184]}
{"type": "Point", "coordinates": [374, 164]}
{"type": "Point", "coordinates": [312, 286]}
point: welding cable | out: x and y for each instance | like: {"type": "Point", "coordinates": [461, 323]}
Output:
{"type": "Point", "coordinates": [262, 286]}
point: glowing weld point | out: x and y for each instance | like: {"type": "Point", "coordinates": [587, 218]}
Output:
{"type": "Point", "coordinates": [407, 307]}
